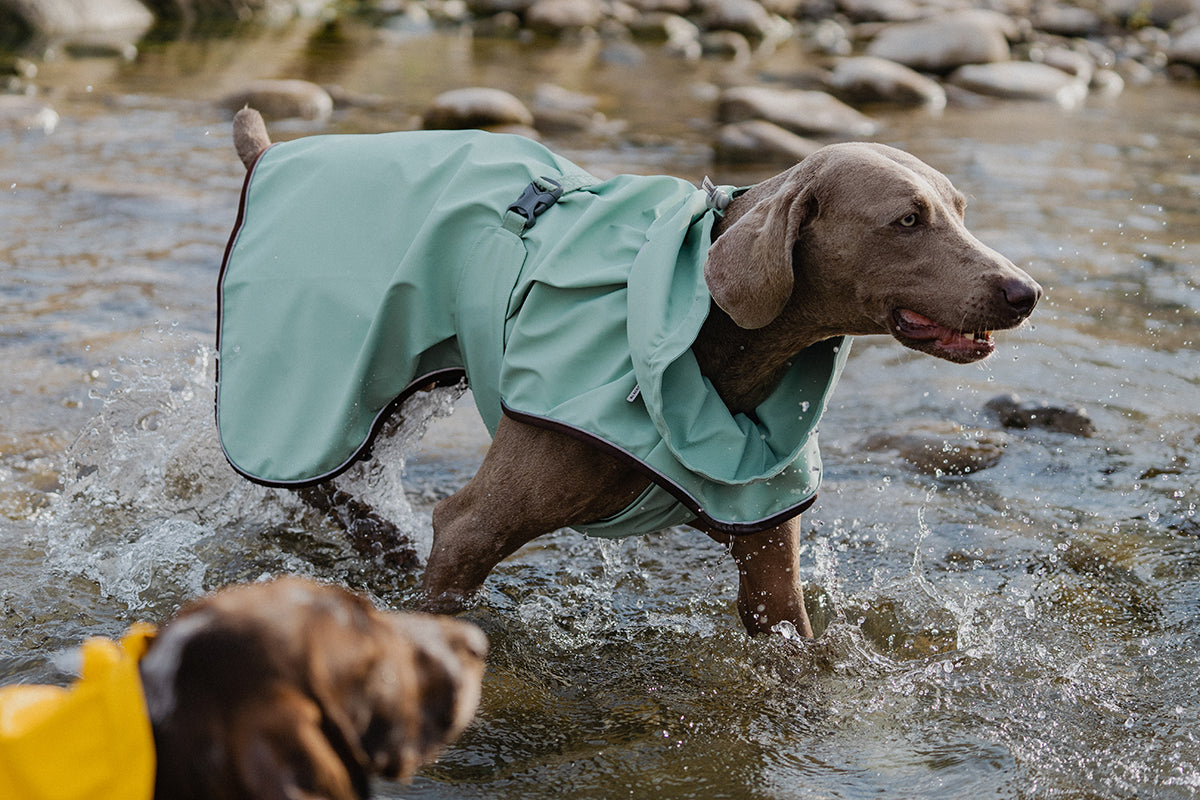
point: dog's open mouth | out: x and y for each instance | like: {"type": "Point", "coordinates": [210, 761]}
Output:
{"type": "Point", "coordinates": [921, 333]}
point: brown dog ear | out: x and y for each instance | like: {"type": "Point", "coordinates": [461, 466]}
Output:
{"type": "Point", "coordinates": [749, 266]}
{"type": "Point", "coordinates": [281, 752]}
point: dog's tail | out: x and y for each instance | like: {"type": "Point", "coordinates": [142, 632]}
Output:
{"type": "Point", "coordinates": [249, 135]}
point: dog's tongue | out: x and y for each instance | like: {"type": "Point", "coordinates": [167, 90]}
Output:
{"type": "Point", "coordinates": [917, 326]}
{"type": "Point", "coordinates": [921, 328]}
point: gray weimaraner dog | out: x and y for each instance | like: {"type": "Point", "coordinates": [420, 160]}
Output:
{"type": "Point", "coordinates": [857, 239]}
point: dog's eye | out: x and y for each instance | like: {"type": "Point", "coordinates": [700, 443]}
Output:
{"type": "Point", "coordinates": [909, 220]}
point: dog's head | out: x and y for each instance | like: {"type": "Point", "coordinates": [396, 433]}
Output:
{"type": "Point", "coordinates": [863, 238]}
{"type": "Point", "coordinates": [291, 687]}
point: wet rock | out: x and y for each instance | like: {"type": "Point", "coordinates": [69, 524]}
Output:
{"type": "Point", "coordinates": [282, 99]}
{"type": "Point", "coordinates": [881, 10]}
{"type": "Point", "coordinates": [1022, 80]}
{"type": "Point", "coordinates": [943, 448]}
{"type": "Point", "coordinates": [1012, 413]}
{"type": "Point", "coordinates": [759, 141]}
{"type": "Point", "coordinates": [808, 113]}
{"type": "Point", "coordinates": [559, 110]}
{"type": "Point", "coordinates": [876, 80]}
{"type": "Point", "coordinates": [1107, 83]}
{"type": "Point", "coordinates": [746, 17]}
{"type": "Point", "coordinates": [1185, 48]}
{"type": "Point", "coordinates": [18, 112]}
{"type": "Point", "coordinates": [476, 107]}
{"type": "Point", "coordinates": [559, 16]}
{"type": "Point", "coordinates": [944, 43]}
{"type": "Point", "coordinates": [66, 19]}
{"type": "Point", "coordinates": [680, 35]}
{"type": "Point", "coordinates": [1067, 20]}
{"type": "Point", "coordinates": [1067, 60]}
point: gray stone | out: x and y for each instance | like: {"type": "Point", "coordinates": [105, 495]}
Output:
{"type": "Point", "coordinates": [742, 16]}
{"type": "Point", "coordinates": [944, 43]}
{"type": "Point", "coordinates": [558, 16]}
{"type": "Point", "coordinates": [59, 19]}
{"type": "Point", "coordinates": [876, 80]}
{"type": "Point", "coordinates": [808, 113]}
{"type": "Point", "coordinates": [881, 10]}
{"type": "Point", "coordinates": [282, 99]}
{"type": "Point", "coordinates": [1185, 48]}
{"type": "Point", "coordinates": [1067, 60]}
{"type": "Point", "coordinates": [1022, 80]}
{"type": "Point", "coordinates": [559, 110]}
{"type": "Point", "coordinates": [1107, 83]}
{"type": "Point", "coordinates": [476, 107]}
{"type": "Point", "coordinates": [758, 141]}
{"type": "Point", "coordinates": [1067, 20]}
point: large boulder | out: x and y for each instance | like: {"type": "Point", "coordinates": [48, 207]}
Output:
{"type": "Point", "coordinates": [942, 44]}
{"type": "Point", "coordinates": [70, 19]}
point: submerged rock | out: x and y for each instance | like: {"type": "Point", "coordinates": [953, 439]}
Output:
{"type": "Point", "coordinates": [282, 99]}
{"type": "Point", "coordinates": [1012, 413]}
{"type": "Point", "coordinates": [943, 448]}
{"type": "Point", "coordinates": [808, 113]}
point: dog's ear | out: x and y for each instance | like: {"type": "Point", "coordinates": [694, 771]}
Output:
{"type": "Point", "coordinates": [281, 752]}
{"type": "Point", "coordinates": [749, 266]}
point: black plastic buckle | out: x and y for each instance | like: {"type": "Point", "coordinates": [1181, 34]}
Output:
{"type": "Point", "coordinates": [534, 200]}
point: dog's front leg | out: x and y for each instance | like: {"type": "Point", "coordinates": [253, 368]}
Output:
{"type": "Point", "coordinates": [769, 588]}
{"type": "Point", "coordinates": [532, 481]}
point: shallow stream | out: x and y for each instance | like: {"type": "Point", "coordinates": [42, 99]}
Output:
{"type": "Point", "coordinates": [1028, 630]}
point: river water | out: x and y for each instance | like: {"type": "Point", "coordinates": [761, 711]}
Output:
{"type": "Point", "coordinates": [1027, 630]}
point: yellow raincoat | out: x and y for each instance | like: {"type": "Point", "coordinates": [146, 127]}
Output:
{"type": "Point", "coordinates": [89, 741]}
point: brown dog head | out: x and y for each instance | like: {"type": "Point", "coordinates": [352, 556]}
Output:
{"type": "Point", "coordinates": [863, 238]}
{"type": "Point", "coordinates": [296, 689]}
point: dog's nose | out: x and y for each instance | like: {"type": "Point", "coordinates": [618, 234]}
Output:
{"type": "Point", "coordinates": [1021, 294]}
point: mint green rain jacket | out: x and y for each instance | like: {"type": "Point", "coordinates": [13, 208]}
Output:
{"type": "Point", "coordinates": [365, 267]}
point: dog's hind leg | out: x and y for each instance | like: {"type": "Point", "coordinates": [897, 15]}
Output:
{"type": "Point", "coordinates": [532, 481]}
